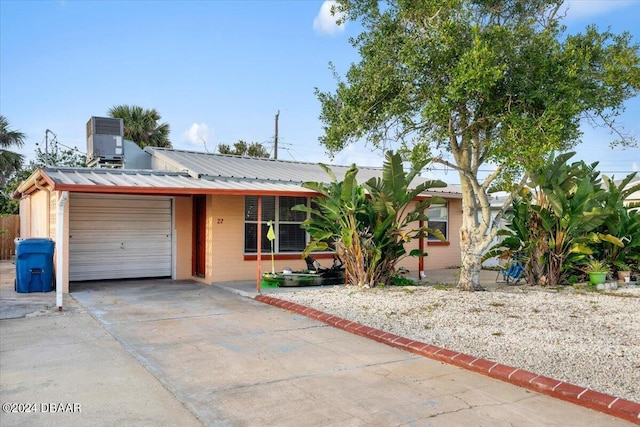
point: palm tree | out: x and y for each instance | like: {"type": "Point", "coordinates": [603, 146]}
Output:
{"type": "Point", "coordinates": [10, 162]}
{"type": "Point", "coordinates": [141, 126]}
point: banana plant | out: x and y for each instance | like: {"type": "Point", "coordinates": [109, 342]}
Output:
{"type": "Point", "coordinates": [622, 251]}
{"type": "Point", "coordinates": [572, 210]}
{"type": "Point", "coordinates": [369, 224]}
{"type": "Point", "coordinates": [558, 222]}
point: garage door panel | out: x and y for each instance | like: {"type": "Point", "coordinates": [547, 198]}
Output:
{"type": "Point", "coordinates": [120, 225]}
{"type": "Point", "coordinates": [113, 237]}
{"type": "Point", "coordinates": [131, 249]}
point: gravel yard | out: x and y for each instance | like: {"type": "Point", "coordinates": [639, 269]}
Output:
{"type": "Point", "coordinates": [588, 339]}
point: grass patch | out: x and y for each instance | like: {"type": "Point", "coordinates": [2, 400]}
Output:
{"type": "Point", "coordinates": [443, 286]}
{"type": "Point", "coordinates": [431, 307]}
{"type": "Point", "coordinates": [621, 295]}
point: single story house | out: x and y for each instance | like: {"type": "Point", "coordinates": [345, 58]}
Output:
{"type": "Point", "coordinates": [192, 215]}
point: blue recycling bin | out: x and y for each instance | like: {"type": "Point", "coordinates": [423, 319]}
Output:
{"type": "Point", "coordinates": [34, 265]}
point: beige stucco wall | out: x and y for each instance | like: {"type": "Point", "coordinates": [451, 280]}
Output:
{"type": "Point", "coordinates": [34, 215]}
{"type": "Point", "coordinates": [225, 260]}
{"type": "Point", "coordinates": [225, 244]}
{"type": "Point", "coordinates": [448, 255]}
{"type": "Point", "coordinates": [441, 255]}
{"type": "Point", "coordinates": [38, 215]}
{"type": "Point", "coordinates": [25, 217]}
{"type": "Point", "coordinates": [53, 213]}
{"type": "Point", "coordinates": [39, 218]}
{"type": "Point", "coordinates": [226, 224]}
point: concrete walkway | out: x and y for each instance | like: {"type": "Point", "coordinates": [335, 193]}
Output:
{"type": "Point", "coordinates": [160, 352]}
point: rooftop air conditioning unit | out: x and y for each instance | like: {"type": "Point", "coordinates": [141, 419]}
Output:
{"type": "Point", "coordinates": [105, 139]}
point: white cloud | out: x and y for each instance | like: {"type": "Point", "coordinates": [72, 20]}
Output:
{"type": "Point", "coordinates": [197, 134]}
{"type": "Point", "coordinates": [325, 22]}
{"type": "Point", "coordinates": [579, 9]}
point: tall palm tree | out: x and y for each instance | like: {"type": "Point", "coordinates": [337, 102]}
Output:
{"type": "Point", "coordinates": [10, 161]}
{"type": "Point", "coordinates": [141, 126]}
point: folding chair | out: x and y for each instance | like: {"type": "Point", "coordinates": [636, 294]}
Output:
{"type": "Point", "coordinates": [512, 274]}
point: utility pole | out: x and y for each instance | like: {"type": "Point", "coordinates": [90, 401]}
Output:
{"type": "Point", "coordinates": [46, 145]}
{"type": "Point", "coordinates": [275, 138]}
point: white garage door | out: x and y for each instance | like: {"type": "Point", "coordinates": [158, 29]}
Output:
{"type": "Point", "coordinates": [118, 237]}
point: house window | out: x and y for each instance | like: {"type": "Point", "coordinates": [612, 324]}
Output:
{"type": "Point", "coordinates": [439, 220]}
{"type": "Point", "coordinates": [290, 237]}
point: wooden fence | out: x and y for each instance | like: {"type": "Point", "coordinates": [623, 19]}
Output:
{"type": "Point", "coordinates": [9, 230]}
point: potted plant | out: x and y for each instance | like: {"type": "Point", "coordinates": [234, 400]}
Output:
{"type": "Point", "coordinates": [623, 269]}
{"type": "Point", "coordinates": [597, 271]}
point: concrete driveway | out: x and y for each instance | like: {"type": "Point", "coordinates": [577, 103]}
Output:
{"type": "Point", "coordinates": [233, 361]}
{"type": "Point", "coordinates": [200, 354]}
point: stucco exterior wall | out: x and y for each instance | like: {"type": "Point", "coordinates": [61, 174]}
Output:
{"type": "Point", "coordinates": [441, 254]}
{"type": "Point", "coordinates": [445, 255]}
{"type": "Point", "coordinates": [25, 217]}
{"type": "Point", "coordinates": [53, 214]}
{"type": "Point", "coordinates": [225, 219]}
{"type": "Point", "coordinates": [225, 258]}
{"type": "Point", "coordinates": [225, 245]}
{"type": "Point", "coordinates": [35, 220]}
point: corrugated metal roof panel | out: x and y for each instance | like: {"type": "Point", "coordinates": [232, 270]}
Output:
{"type": "Point", "coordinates": [68, 178]}
{"type": "Point", "coordinates": [220, 165]}
{"type": "Point", "coordinates": [210, 165]}
{"type": "Point", "coordinates": [217, 172]}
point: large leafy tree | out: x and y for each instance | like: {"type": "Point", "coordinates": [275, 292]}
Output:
{"type": "Point", "coordinates": [242, 148]}
{"type": "Point", "coordinates": [368, 224]}
{"type": "Point", "coordinates": [10, 161]}
{"type": "Point", "coordinates": [471, 82]}
{"type": "Point", "coordinates": [142, 126]}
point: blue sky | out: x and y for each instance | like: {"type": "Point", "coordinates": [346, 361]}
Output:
{"type": "Point", "coordinates": [217, 71]}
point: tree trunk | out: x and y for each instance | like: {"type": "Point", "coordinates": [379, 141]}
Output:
{"type": "Point", "coordinates": [555, 269]}
{"type": "Point", "coordinates": [473, 235]}
{"type": "Point", "coordinates": [538, 237]}
{"type": "Point", "coordinates": [471, 264]}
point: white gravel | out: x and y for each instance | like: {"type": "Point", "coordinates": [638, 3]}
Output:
{"type": "Point", "coordinates": [586, 339]}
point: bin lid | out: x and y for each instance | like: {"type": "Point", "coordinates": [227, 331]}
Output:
{"type": "Point", "coordinates": [33, 240]}
{"type": "Point", "coordinates": [34, 245]}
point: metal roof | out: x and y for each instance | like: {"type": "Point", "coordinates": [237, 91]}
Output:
{"type": "Point", "coordinates": [201, 173]}
{"type": "Point", "coordinates": [217, 166]}
{"type": "Point", "coordinates": [157, 182]}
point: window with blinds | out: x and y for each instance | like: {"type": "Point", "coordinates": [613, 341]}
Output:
{"type": "Point", "coordinates": [290, 237]}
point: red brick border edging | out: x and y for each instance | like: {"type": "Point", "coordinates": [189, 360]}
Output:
{"type": "Point", "coordinates": [591, 399]}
